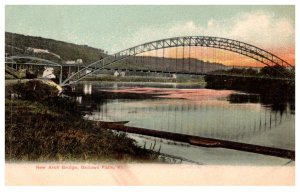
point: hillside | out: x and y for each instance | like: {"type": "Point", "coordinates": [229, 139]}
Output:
{"type": "Point", "coordinates": [63, 52]}
{"type": "Point", "coordinates": [58, 51]}
{"type": "Point", "coordinates": [168, 64]}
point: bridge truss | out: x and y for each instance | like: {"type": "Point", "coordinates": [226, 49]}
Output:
{"type": "Point", "coordinates": [265, 57]}
{"type": "Point", "coordinates": [33, 61]}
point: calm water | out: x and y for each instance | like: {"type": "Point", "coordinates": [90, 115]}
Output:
{"type": "Point", "coordinates": [193, 110]}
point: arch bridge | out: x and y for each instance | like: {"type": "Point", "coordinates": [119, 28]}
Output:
{"type": "Point", "coordinates": [14, 61]}
{"type": "Point", "coordinates": [251, 51]}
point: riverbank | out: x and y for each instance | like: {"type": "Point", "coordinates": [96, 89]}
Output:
{"type": "Point", "coordinates": [184, 79]}
{"type": "Point", "coordinates": [275, 89]}
{"type": "Point", "coordinates": [49, 128]}
{"type": "Point", "coordinates": [169, 151]}
{"type": "Point", "coordinates": [187, 153]}
{"type": "Point", "coordinates": [201, 141]}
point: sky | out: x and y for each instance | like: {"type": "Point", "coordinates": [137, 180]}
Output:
{"type": "Point", "coordinates": [114, 28]}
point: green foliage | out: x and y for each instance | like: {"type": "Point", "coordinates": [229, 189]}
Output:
{"type": "Point", "coordinates": [17, 44]}
{"type": "Point", "coordinates": [267, 71]}
{"type": "Point", "coordinates": [14, 73]}
{"type": "Point", "coordinates": [35, 90]}
{"type": "Point", "coordinates": [244, 71]}
{"type": "Point", "coordinates": [44, 127]}
{"type": "Point", "coordinates": [43, 135]}
{"type": "Point", "coordinates": [46, 95]}
{"type": "Point", "coordinates": [272, 91]}
{"type": "Point", "coordinates": [274, 71]}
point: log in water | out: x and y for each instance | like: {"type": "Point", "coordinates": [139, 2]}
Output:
{"type": "Point", "coordinates": [202, 141]}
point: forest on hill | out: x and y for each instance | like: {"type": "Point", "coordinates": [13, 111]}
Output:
{"type": "Point", "coordinates": [57, 51]}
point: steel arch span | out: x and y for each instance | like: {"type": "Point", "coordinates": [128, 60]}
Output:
{"type": "Point", "coordinates": [239, 47]}
{"type": "Point", "coordinates": [34, 61]}
{"type": "Point", "coordinates": [12, 59]}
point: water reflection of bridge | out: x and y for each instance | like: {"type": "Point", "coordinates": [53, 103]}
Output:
{"type": "Point", "coordinates": [192, 120]}
{"type": "Point", "coordinates": [222, 119]}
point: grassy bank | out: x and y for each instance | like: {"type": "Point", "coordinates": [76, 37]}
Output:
{"type": "Point", "coordinates": [40, 126]}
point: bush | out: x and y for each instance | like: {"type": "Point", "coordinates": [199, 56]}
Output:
{"type": "Point", "coordinates": [35, 90]}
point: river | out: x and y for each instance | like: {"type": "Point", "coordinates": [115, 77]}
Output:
{"type": "Point", "coordinates": [189, 109]}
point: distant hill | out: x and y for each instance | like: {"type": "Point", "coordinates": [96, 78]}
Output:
{"type": "Point", "coordinates": [168, 64]}
{"type": "Point", "coordinates": [57, 51]}
{"type": "Point", "coordinates": [63, 52]}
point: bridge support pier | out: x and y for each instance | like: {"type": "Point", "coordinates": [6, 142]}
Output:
{"type": "Point", "coordinates": [69, 72]}
{"type": "Point", "coordinates": [60, 75]}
